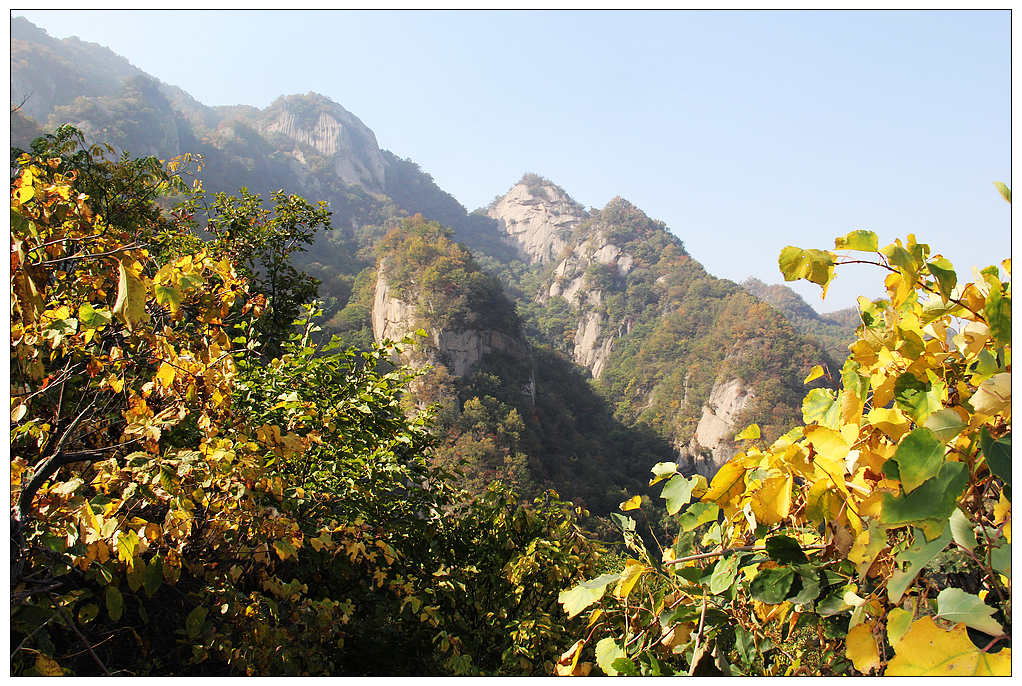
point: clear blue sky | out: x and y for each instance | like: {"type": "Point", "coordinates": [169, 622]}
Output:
{"type": "Point", "coordinates": [743, 131]}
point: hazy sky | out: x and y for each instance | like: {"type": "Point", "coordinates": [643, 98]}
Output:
{"type": "Point", "coordinates": [743, 131]}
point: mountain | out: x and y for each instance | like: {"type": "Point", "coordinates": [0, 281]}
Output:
{"type": "Point", "coordinates": [668, 345]}
{"type": "Point", "coordinates": [835, 330]}
{"type": "Point", "coordinates": [569, 347]}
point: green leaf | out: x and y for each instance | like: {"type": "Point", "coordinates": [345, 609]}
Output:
{"type": "Point", "coordinates": [962, 530]}
{"type": "Point", "coordinates": [785, 550]}
{"type": "Point", "coordinates": [959, 607]}
{"type": "Point", "coordinates": [997, 312]}
{"type": "Point", "coordinates": [195, 621]}
{"type": "Point", "coordinates": [771, 586]}
{"type": "Point", "coordinates": [723, 574]}
{"type": "Point", "coordinates": [696, 514]}
{"type": "Point", "coordinates": [930, 505]}
{"type": "Point", "coordinates": [153, 577]}
{"type": "Point", "coordinates": [678, 492]}
{"type": "Point", "coordinates": [92, 318]}
{"type": "Point", "coordinates": [919, 457]}
{"type": "Point", "coordinates": [114, 603]}
{"type": "Point", "coordinates": [168, 295]}
{"type": "Point", "coordinates": [912, 396]}
{"type": "Point", "coordinates": [945, 424]}
{"type": "Point", "coordinates": [998, 454]}
{"type": "Point", "coordinates": [1003, 190]}
{"type": "Point", "coordinates": [898, 622]}
{"type": "Point", "coordinates": [809, 580]}
{"type": "Point", "coordinates": [916, 557]}
{"type": "Point", "coordinates": [87, 613]}
{"type": "Point", "coordinates": [745, 644]}
{"type": "Point", "coordinates": [585, 594]}
{"type": "Point", "coordinates": [820, 406]}
{"type": "Point", "coordinates": [860, 239]}
{"type": "Point", "coordinates": [944, 272]}
{"type": "Point", "coordinates": [607, 651]}
{"type": "Point", "coordinates": [1000, 558]}
{"type": "Point", "coordinates": [625, 666]}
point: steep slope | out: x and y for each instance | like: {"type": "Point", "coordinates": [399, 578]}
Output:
{"type": "Point", "coordinates": [505, 409]}
{"type": "Point", "coordinates": [834, 330]}
{"type": "Point", "coordinates": [671, 347]}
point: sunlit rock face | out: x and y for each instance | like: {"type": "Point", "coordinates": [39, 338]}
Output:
{"type": "Point", "coordinates": [712, 444]}
{"type": "Point", "coordinates": [538, 218]}
{"type": "Point", "coordinates": [334, 133]}
{"type": "Point", "coordinates": [459, 351]}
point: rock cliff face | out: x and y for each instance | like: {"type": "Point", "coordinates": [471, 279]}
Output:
{"type": "Point", "coordinates": [333, 132]}
{"type": "Point", "coordinates": [711, 445]}
{"type": "Point", "coordinates": [459, 351]}
{"type": "Point", "coordinates": [538, 218]}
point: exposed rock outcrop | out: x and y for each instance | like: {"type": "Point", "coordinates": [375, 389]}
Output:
{"type": "Point", "coordinates": [459, 351]}
{"type": "Point", "coordinates": [333, 132]}
{"type": "Point", "coordinates": [711, 445]}
{"type": "Point", "coordinates": [537, 217]}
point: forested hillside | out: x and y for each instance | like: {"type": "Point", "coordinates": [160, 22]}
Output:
{"type": "Point", "coordinates": [281, 406]}
{"type": "Point", "coordinates": [673, 352]}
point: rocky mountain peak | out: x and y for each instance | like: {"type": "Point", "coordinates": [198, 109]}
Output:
{"type": "Point", "coordinates": [315, 121]}
{"type": "Point", "coordinates": [537, 216]}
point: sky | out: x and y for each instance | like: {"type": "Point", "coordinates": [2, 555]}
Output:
{"type": "Point", "coordinates": [744, 131]}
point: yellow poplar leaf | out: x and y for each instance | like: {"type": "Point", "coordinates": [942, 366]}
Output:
{"type": "Point", "coordinates": [861, 648]}
{"type": "Point", "coordinates": [891, 421]}
{"type": "Point", "coordinates": [131, 295]}
{"type": "Point", "coordinates": [593, 617]}
{"type": "Point", "coordinates": [814, 373]}
{"type": "Point", "coordinates": [928, 650]}
{"type": "Point", "coordinates": [47, 666]}
{"type": "Point", "coordinates": [631, 504]}
{"type": "Point", "coordinates": [629, 577]}
{"type": "Point", "coordinates": [165, 375]}
{"type": "Point", "coordinates": [772, 502]}
{"type": "Point", "coordinates": [1001, 509]}
{"type": "Point", "coordinates": [726, 484]}
{"type": "Point", "coordinates": [749, 433]}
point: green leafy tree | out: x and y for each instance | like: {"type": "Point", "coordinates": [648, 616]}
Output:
{"type": "Point", "coordinates": [874, 538]}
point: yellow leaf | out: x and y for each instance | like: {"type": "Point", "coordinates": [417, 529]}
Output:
{"type": "Point", "coordinates": [1002, 509]}
{"type": "Point", "coordinates": [861, 648]}
{"type": "Point", "coordinates": [631, 504]}
{"type": "Point", "coordinates": [131, 296]}
{"type": "Point", "coordinates": [629, 577]}
{"type": "Point", "coordinates": [726, 484]}
{"type": "Point", "coordinates": [749, 433]}
{"type": "Point", "coordinates": [772, 502]}
{"type": "Point", "coordinates": [47, 666]}
{"type": "Point", "coordinates": [814, 373]}
{"type": "Point", "coordinates": [891, 421]}
{"type": "Point", "coordinates": [928, 650]}
{"type": "Point", "coordinates": [165, 375]}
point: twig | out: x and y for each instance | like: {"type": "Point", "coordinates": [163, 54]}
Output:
{"type": "Point", "coordinates": [74, 627]}
{"type": "Point", "coordinates": [696, 655]}
{"type": "Point", "coordinates": [740, 549]}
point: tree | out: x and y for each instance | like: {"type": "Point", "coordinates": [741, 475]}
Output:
{"type": "Point", "coordinates": [874, 538]}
